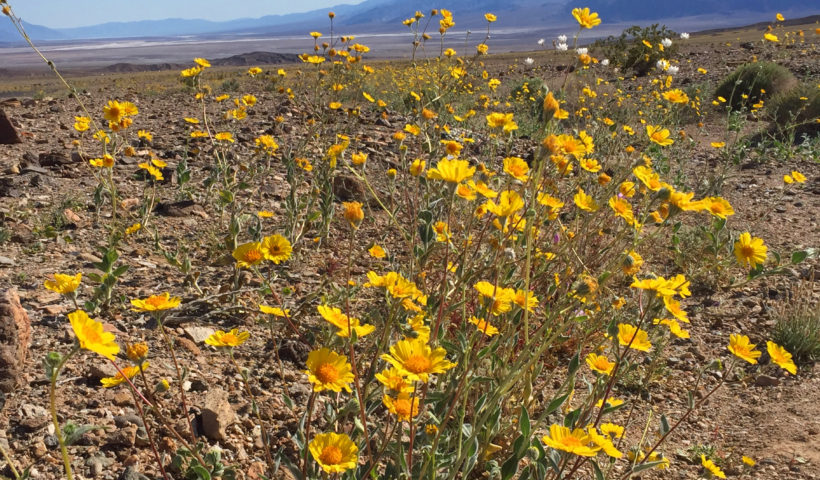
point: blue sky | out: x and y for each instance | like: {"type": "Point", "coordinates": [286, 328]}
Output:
{"type": "Point", "coordinates": [75, 13]}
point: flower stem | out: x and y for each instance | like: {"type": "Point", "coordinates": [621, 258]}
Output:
{"type": "Point", "coordinates": [170, 345]}
{"type": "Point", "coordinates": [52, 397]}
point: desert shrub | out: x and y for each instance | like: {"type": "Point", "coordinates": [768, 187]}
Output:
{"type": "Point", "coordinates": [229, 85]}
{"type": "Point", "coordinates": [752, 82]}
{"type": "Point", "coordinates": [629, 52]}
{"type": "Point", "coordinates": [797, 327]}
{"type": "Point", "coordinates": [797, 110]}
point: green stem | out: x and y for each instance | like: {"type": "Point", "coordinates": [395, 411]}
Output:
{"type": "Point", "coordinates": [52, 397]}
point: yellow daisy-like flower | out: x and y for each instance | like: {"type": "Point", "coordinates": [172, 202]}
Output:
{"type": "Point", "coordinates": [376, 251]}
{"type": "Point", "coordinates": [394, 380]}
{"type": "Point", "coordinates": [632, 263]}
{"type": "Point", "coordinates": [502, 298]}
{"type": "Point", "coordinates": [781, 357]}
{"type": "Point", "coordinates": [508, 204]}
{"type": "Point", "coordinates": [484, 326]}
{"type": "Point", "coordinates": [676, 95]}
{"type": "Point", "coordinates": [659, 135]}
{"type": "Point", "coordinates": [129, 372]}
{"type": "Point", "coordinates": [586, 18]}
{"type": "Point", "coordinates": [517, 168]}
{"type": "Point", "coordinates": [612, 429]}
{"type": "Point", "coordinates": [64, 284]}
{"type": "Point", "coordinates": [451, 170]}
{"type": "Point", "coordinates": [500, 120]}
{"type": "Point", "coordinates": [276, 248]}
{"type": "Point", "coordinates": [344, 323]}
{"type": "Point", "coordinates": [234, 338]}
{"type": "Point", "coordinates": [749, 250]}
{"type": "Point", "coordinates": [636, 339]}
{"type": "Point", "coordinates": [600, 364]}
{"type": "Point", "coordinates": [798, 177]}
{"type": "Point", "coordinates": [741, 347]}
{"type": "Point", "coordinates": [748, 461]}
{"type": "Point", "coordinates": [353, 213]}
{"type": "Point", "coordinates": [417, 167]}
{"type": "Point", "coordinates": [771, 37]}
{"type": "Point", "coordinates": [674, 327]}
{"type": "Point", "coordinates": [248, 254]}
{"type": "Point", "coordinates": [711, 467]}
{"type": "Point", "coordinates": [202, 62]}
{"type": "Point", "coordinates": [717, 206]}
{"type": "Point", "coordinates": [155, 303]}
{"type": "Point", "coordinates": [275, 311]}
{"type": "Point", "coordinates": [224, 137]}
{"type": "Point", "coordinates": [91, 336]}
{"type": "Point", "coordinates": [604, 442]}
{"type": "Point", "coordinates": [490, 17]}
{"type": "Point", "coordinates": [328, 370]}
{"type": "Point", "coordinates": [416, 360]}
{"type": "Point", "coordinates": [585, 202]}
{"type": "Point", "coordinates": [136, 351]}
{"type": "Point", "coordinates": [673, 306]}
{"type": "Point", "coordinates": [571, 441]}
{"type": "Point", "coordinates": [404, 406]}
{"type": "Point", "coordinates": [334, 452]}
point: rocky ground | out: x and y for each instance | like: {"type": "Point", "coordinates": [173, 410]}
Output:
{"type": "Point", "coordinates": [48, 225]}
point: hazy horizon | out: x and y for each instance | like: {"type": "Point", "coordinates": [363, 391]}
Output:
{"type": "Point", "coordinates": [80, 13]}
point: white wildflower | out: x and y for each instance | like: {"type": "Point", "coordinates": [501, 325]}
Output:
{"type": "Point", "coordinates": [684, 36]}
{"type": "Point", "coordinates": [666, 42]}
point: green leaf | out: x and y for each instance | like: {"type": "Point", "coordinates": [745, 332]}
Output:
{"type": "Point", "coordinates": [524, 422]}
{"type": "Point", "coordinates": [555, 403]}
{"type": "Point", "coordinates": [574, 363]}
{"type": "Point", "coordinates": [119, 271]}
{"type": "Point", "coordinates": [664, 425]}
{"type": "Point", "coordinates": [646, 466]}
{"type": "Point", "coordinates": [799, 256]}
{"type": "Point", "coordinates": [510, 468]}
{"type": "Point", "coordinates": [599, 475]}
{"type": "Point", "coordinates": [201, 472]}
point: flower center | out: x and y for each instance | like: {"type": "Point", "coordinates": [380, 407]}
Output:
{"type": "Point", "coordinates": [402, 407]}
{"type": "Point", "coordinates": [418, 364]}
{"type": "Point", "coordinates": [331, 455]}
{"type": "Point", "coordinates": [327, 373]}
{"type": "Point", "coordinates": [572, 441]}
{"type": "Point", "coordinates": [748, 251]}
{"type": "Point", "coordinates": [253, 256]}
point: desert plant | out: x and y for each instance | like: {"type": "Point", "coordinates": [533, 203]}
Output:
{"type": "Point", "coordinates": [630, 49]}
{"type": "Point", "coordinates": [797, 326]}
{"type": "Point", "coordinates": [796, 111]}
{"type": "Point", "coordinates": [752, 82]}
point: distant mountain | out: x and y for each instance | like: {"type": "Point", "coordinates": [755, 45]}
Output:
{"type": "Point", "coordinates": [385, 16]}
{"type": "Point", "coordinates": [9, 34]}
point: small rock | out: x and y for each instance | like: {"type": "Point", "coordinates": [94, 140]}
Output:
{"type": "Point", "coordinates": [258, 470]}
{"type": "Point", "coordinates": [346, 188]}
{"type": "Point", "coordinates": [131, 473]}
{"type": "Point", "coordinates": [122, 437]}
{"type": "Point", "coordinates": [123, 421]}
{"type": "Point", "coordinates": [122, 398]}
{"type": "Point", "coordinates": [38, 449]}
{"type": "Point", "coordinates": [98, 464]}
{"type": "Point", "coordinates": [189, 345]}
{"type": "Point", "coordinates": [99, 370]}
{"type": "Point", "coordinates": [217, 414]}
{"type": "Point", "coordinates": [6, 262]}
{"type": "Point", "coordinates": [767, 381]}
{"type": "Point", "coordinates": [198, 334]}
{"type": "Point", "coordinates": [15, 336]}
{"type": "Point", "coordinates": [54, 159]}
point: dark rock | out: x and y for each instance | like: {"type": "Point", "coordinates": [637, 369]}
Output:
{"type": "Point", "coordinates": [8, 134]}
{"type": "Point", "coordinates": [293, 351]}
{"type": "Point", "coordinates": [54, 159]}
{"type": "Point", "coordinates": [15, 336]}
{"type": "Point", "coordinates": [347, 188]}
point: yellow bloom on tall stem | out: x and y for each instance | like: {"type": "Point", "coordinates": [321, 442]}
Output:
{"type": "Point", "coordinates": [711, 467]}
{"type": "Point", "coordinates": [749, 250]}
{"type": "Point", "coordinates": [517, 168]}
{"type": "Point", "coordinates": [156, 303]}
{"type": "Point", "coordinates": [571, 441]}
{"type": "Point", "coordinates": [404, 406]}
{"type": "Point", "coordinates": [600, 364]}
{"type": "Point", "coordinates": [417, 360]}
{"type": "Point", "coordinates": [484, 326]}
{"type": "Point", "coordinates": [781, 357]}
{"type": "Point", "coordinates": [276, 248]}
{"type": "Point", "coordinates": [586, 18]}
{"type": "Point", "coordinates": [717, 206]}
{"type": "Point", "coordinates": [64, 284]}
{"type": "Point", "coordinates": [248, 254]}
{"type": "Point", "coordinates": [585, 202]}
{"type": "Point", "coordinates": [328, 370]}
{"type": "Point", "coordinates": [91, 336]}
{"type": "Point", "coordinates": [234, 338]}
{"type": "Point", "coordinates": [353, 213]}
{"type": "Point", "coordinates": [344, 323]}
{"type": "Point", "coordinates": [119, 378]}
{"type": "Point", "coordinates": [636, 338]}
{"type": "Point", "coordinates": [659, 135]}
{"type": "Point", "coordinates": [741, 347]}
{"type": "Point", "coordinates": [334, 452]}
{"type": "Point", "coordinates": [451, 170]}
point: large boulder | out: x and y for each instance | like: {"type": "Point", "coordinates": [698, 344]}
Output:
{"type": "Point", "coordinates": [15, 336]}
{"type": "Point", "coordinates": [8, 134]}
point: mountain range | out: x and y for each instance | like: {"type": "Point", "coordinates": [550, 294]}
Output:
{"type": "Point", "coordinates": [385, 16]}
